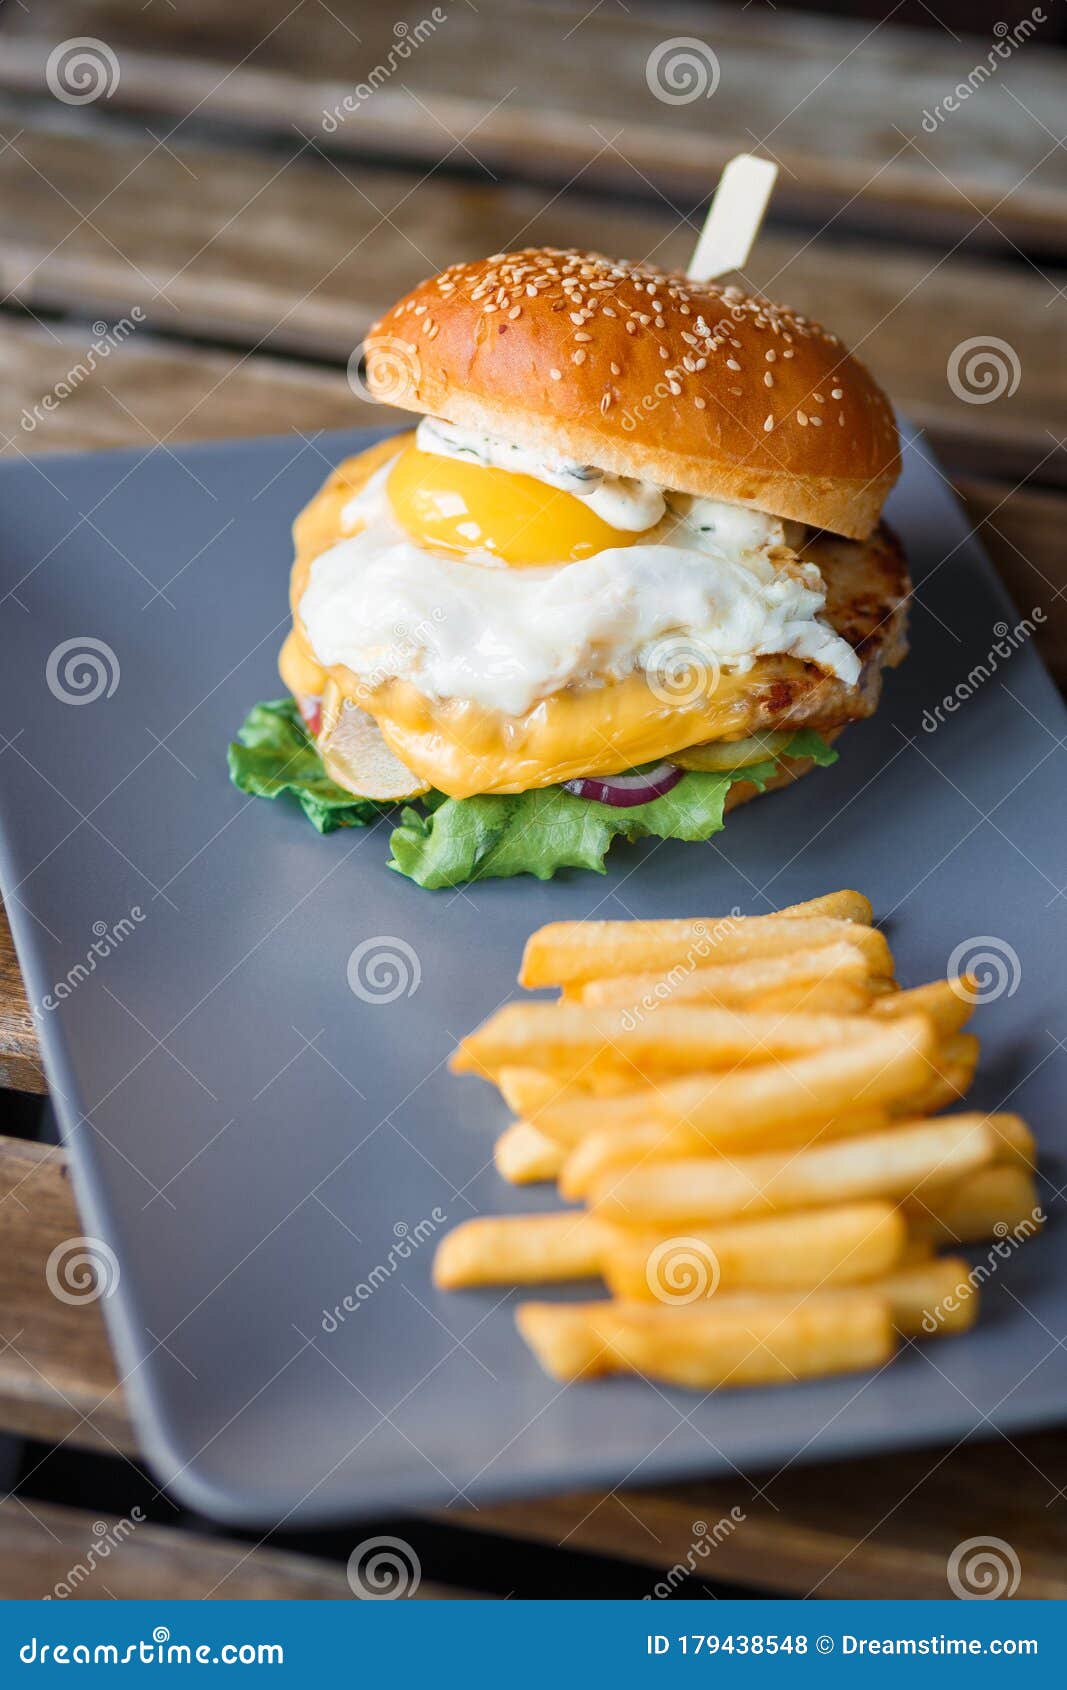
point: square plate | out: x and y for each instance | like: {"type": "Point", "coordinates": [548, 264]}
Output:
{"type": "Point", "coordinates": [256, 1141]}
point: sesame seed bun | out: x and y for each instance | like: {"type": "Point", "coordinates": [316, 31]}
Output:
{"type": "Point", "coordinates": [694, 386]}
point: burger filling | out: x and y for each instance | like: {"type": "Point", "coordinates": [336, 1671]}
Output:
{"type": "Point", "coordinates": [476, 624]}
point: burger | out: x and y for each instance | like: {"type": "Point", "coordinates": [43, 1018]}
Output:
{"type": "Point", "coordinates": [627, 572]}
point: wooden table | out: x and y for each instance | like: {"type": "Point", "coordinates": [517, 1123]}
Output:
{"type": "Point", "coordinates": [257, 244]}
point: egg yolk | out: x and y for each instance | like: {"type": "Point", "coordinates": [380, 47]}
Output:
{"type": "Point", "coordinates": [457, 506]}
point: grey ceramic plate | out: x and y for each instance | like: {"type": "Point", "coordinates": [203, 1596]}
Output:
{"type": "Point", "coordinates": [256, 1142]}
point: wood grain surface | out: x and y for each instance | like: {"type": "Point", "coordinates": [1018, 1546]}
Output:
{"type": "Point", "coordinates": [57, 1379]}
{"type": "Point", "coordinates": [299, 256]}
{"type": "Point", "coordinates": [47, 1550]}
{"type": "Point", "coordinates": [872, 1528]}
{"type": "Point", "coordinates": [507, 86]}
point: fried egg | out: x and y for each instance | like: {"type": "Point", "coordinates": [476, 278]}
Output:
{"type": "Point", "coordinates": [501, 586]}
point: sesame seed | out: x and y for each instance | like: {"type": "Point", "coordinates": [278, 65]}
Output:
{"type": "Point", "coordinates": [583, 336]}
{"type": "Point", "coordinates": [577, 317]}
{"type": "Point", "coordinates": [732, 364]}
{"type": "Point", "coordinates": [663, 352]}
{"type": "Point", "coordinates": [674, 387]}
{"type": "Point", "coordinates": [768, 424]}
{"type": "Point", "coordinates": [516, 311]}
{"type": "Point", "coordinates": [768, 379]}
{"type": "Point", "coordinates": [605, 403]}
{"type": "Point", "coordinates": [836, 393]}
{"type": "Point", "coordinates": [802, 419]}
{"type": "Point", "coordinates": [579, 356]}
{"type": "Point", "coordinates": [816, 422]}
{"type": "Point", "coordinates": [615, 370]}
{"type": "Point", "coordinates": [771, 355]}
{"type": "Point", "coordinates": [701, 404]}
{"type": "Point", "coordinates": [557, 375]}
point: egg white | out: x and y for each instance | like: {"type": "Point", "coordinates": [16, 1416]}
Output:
{"type": "Point", "coordinates": [701, 588]}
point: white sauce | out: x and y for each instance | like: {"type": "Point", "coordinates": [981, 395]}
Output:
{"type": "Point", "coordinates": [616, 499]}
{"type": "Point", "coordinates": [700, 588]}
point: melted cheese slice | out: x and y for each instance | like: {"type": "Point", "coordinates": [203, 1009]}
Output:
{"type": "Point", "coordinates": [462, 748]}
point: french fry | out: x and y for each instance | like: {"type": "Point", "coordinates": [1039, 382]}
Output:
{"type": "Point", "coordinates": [837, 997]}
{"type": "Point", "coordinates": [897, 1163]}
{"type": "Point", "coordinates": [521, 1250]}
{"type": "Point", "coordinates": [526, 1090]}
{"type": "Point", "coordinates": [948, 1076]}
{"type": "Point", "coordinates": [996, 1202]}
{"type": "Point", "coordinates": [930, 1298]}
{"type": "Point", "coordinates": [570, 953]}
{"type": "Point", "coordinates": [613, 1149]}
{"type": "Point", "coordinates": [572, 1040]}
{"type": "Point", "coordinates": [732, 984]}
{"type": "Point", "coordinates": [1015, 1140]}
{"type": "Point", "coordinates": [523, 1155]}
{"type": "Point", "coordinates": [806, 1249]}
{"type": "Point", "coordinates": [743, 1341]}
{"type": "Point", "coordinates": [888, 1065]}
{"type": "Point", "coordinates": [563, 1339]}
{"type": "Point", "coordinates": [941, 1000]}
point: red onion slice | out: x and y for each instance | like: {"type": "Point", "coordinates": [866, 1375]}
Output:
{"type": "Point", "coordinates": [310, 707]}
{"type": "Point", "coordinates": [624, 790]}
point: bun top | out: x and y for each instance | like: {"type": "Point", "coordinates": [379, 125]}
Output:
{"type": "Point", "coordinates": [697, 387]}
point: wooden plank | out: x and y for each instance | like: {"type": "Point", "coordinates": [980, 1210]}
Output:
{"type": "Point", "coordinates": [68, 1554]}
{"type": "Point", "coordinates": [303, 256]}
{"type": "Point", "coordinates": [854, 111]}
{"type": "Point", "coordinates": [57, 1379]}
{"type": "Point", "coordinates": [21, 1068]}
{"type": "Point", "coordinates": [874, 1528]}
{"type": "Point", "coordinates": [147, 390]}
{"type": "Point", "coordinates": [46, 1550]}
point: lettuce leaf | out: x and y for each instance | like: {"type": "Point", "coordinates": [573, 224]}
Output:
{"type": "Point", "coordinates": [547, 829]}
{"type": "Point", "coordinates": [442, 841]}
{"type": "Point", "coordinates": [274, 753]}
